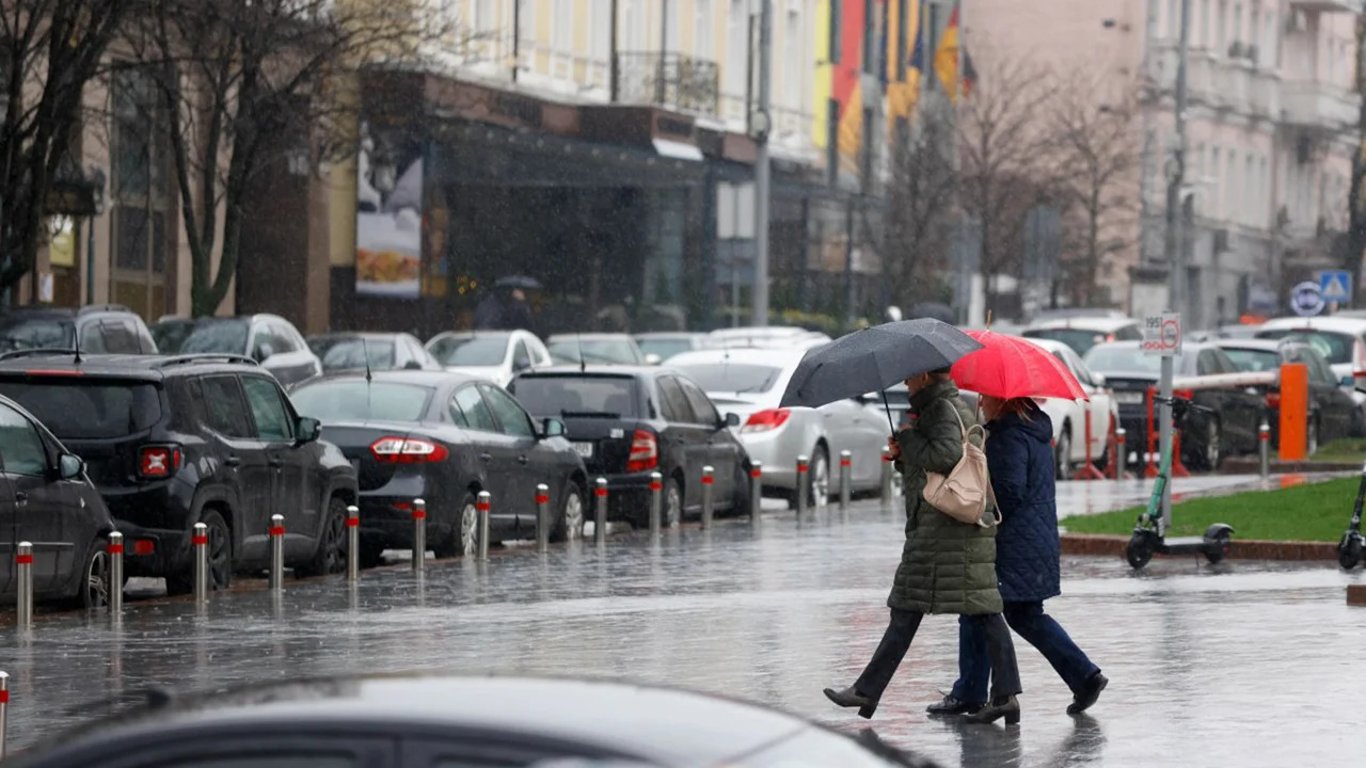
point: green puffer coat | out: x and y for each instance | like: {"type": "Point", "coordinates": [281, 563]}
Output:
{"type": "Point", "coordinates": [946, 566]}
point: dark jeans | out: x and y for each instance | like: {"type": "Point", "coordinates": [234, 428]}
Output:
{"type": "Point", "coordinates": [1036, 627]}
{"type": "Point", "coordinates": [999, 649]}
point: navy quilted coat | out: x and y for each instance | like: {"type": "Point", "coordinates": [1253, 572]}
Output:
{"type": "Point", "coordinates": [1020, 457]}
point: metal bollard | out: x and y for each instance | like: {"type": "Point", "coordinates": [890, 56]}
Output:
{"type": "Point", "coordinates": [803, 493]}
{"type": "Point", "coordinates": [353, 543]}
{"type": "Point", "coordinates": [1121, 452]}
{"type": "Point", "coordinates": [600, 511]}
{"type": "Point", "coordinates": [542, 517]}
{"type": "Point", "coordinates": [1264, 447]}
{"type": "Point", "coordinates": [199, 544]}
{"type": "Point", "coordinates": [483, 506]}
{"type": "Point", "coordinates": [756, 492]}
{"type": "Point", "coordinates": [656, 494]}
{"type": "Point", "coordinates": [846, 468]}
{"type": "Point", "coordinates": [23, 560]}
{"type": "Point", "coordinates": [277, 552]}
{"type": "Point", "coordinates": [885, 483]}
{"type": "Point", "coordinates": [708, 491]}
{"type": "Point", "coordinates": [4, 705]}
{"type": "Point", "coordinates": [419, 534]}
{"type": "Point", "coordinates": [115, 552]}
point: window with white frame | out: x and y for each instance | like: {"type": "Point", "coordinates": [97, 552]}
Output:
{"type": "Point", "coordinates": [1249, 189]}
{"type": "Point", "coordinates": [702, 43]}
{"type": "Point", "coordinates": [792, 52]}
{"type": "Point", "coordinates": [600, 29]}
{"type": "Point", "coordinates": [562, 35]}
{"type": "Point", "coordinates": [1217, 184]}
{"type": "Point", "coordinates": [672, 36]}
{"type": "Point", "coordinates": [737, 48]}
{"type": "Point", "coordinates": [485, 16]}
{"type": "Point", "coordinates": [526, 20]}
{"type": "Point", "coordinates": [629, 26]}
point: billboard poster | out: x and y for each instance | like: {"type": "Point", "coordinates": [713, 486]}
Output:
{"type": "Point", "coordinates": [389, 214]}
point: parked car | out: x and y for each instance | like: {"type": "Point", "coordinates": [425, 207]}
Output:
{"type": "Point", "coordinates": [174, 441]}
{"type": "Point", "coordinates": [595, 349]}
{"type": "Point", "coordinates": [665, 344]}
{"type": "Point", "coordinates": [1331, 413]}
{"type": "Point", "coordinates": [750, 382]}
{"type": "Point", "coordinates": [170, 333]}
{"type": "Point", "coordinates": [383, 351]}
{"type": "Point", "coordinates": [627, 423]}
{"type": "Point", "coordinates": [1069, 417]}
{"type": "Point", "coordinates": [493, 355]}
{"type": "Point", "coordinates": [272, 341]}
{"type": "Point", "coordinates": [764, 337]}
{"type": "Point", "coordinates": [104, 328]}
{"type": "Point", "coordinates": [47, 500]}
{"type": "Point", "coordinates": [1341, 341]}
{"type": "Point", "coordinates": [1082, 333]}
{"type": "Point", "coordinates": [408, 720]}
{"type": "Point", "coordinates": [1226, 421]}
{"type": "Point", "coordinates": [444, 437]}
{"type": "Point", "coordinates": [1077, 313]}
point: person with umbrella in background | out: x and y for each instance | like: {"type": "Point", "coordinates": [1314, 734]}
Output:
{"type": "Point", "coordinates": [946, 566]}
{"type": "Point", "coordinates": [1008, 373]}
{"type": "Point", "coordinates": [506, 308]}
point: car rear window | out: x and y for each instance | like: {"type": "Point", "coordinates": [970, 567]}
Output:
{"type": "Point", "coordinates": [581, 396]}
{"type": "Point", "coordinates": [593, 351]}
{"type": "Point", "coordinates": [217, 337]}
{"type": "Point", "coordinates": [456, 351]}
{"type": "Point", "coordinates": [354, 400]}
{"type": "Point", "coordinates": [1079, 340]}
{"type": "Point", "coordinates": [37, 334]}
{"type": "Point", "coordinates": [733, 377]}
{"type": "Point", "coordinates": [1336, 348]}
{"type": "Point", "coordinates": [1254, 360]}
{"type": "Point", "coordinates": [343, 354]}
{"type": "Point", "coordinates": [87, 409]}
{"type": "Point", "coordinates": [665, 348]}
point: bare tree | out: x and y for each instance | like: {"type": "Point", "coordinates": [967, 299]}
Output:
{"type": "Point", "coordinates": [1098, 155]}
{"type": "Point", "coordinates": [1005, 171]}
{"type": "Point", "coordinates": [233, 74]}
{"type": "Point", "coordinates": [1356, 194]}
{"type": "Point", "coordinates": [920, 207]}
{"type": "Point", "coordinates": [50, 50]}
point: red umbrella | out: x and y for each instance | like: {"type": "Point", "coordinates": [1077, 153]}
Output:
{"type": "Point", "coordinates": [1009, 366]}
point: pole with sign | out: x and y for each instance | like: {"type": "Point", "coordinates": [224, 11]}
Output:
{"type": "Point", "coordinates": [1162, 337]}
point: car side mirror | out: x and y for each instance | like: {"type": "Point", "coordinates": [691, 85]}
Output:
{"type": "Point", "coordinates": [307, 429]}
{"type": "Point", "coordinates": [70, 466]}
{"type": "Point", "coordinates": [653, 359]}
{"type": "Point", "coordinates": [552, 427]}
{"type": "Point", "coordinates": [732, 420]}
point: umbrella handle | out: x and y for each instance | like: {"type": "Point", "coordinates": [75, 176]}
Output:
{"type": "Point", "coordinates": [888, 409]}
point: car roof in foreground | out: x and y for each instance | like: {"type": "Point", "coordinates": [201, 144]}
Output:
{"type": "Point", "coordinates": [591, 337]}
{"type": "Point", "coordinates": [571, 371]}
{"type": "Point", "coordinates": [674, 727]}
{"type": "Point", "coordinates": [357, 335]}
{"type": "Point", "coordinates": [777, 358]}
{"type": "Point", "coordinates": [150, 367]}
{"type": "Point", "coordinates": [1096, 324]}
{"type": "Point", "coordinates": [415, 377]}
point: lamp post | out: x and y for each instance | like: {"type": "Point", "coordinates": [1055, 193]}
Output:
{"type": "Point", "coordinates": [4, 184]}
{"type": "Point", "coordinates": [96, 179]}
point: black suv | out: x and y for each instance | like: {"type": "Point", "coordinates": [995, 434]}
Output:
{"type": "Point", "coordinates": [172, 441]}
{"type": "Point", "coordinates": [104, 328]}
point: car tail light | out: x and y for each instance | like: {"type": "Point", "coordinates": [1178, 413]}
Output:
{"type": "Point", "coordinates": [765, 420]}
{"type": "Point", "coordinates": [408, 450]}
{"type": "Point", "coordinates": [1273, 400]}
{"type": "Point", "coordinates": [159, 461]}
{"type": "Point", "coordinates": [644, 451]}
{"type": "Point", "coordinates": [144, 547]}
{"type": "Point", "coordinates": [1184, 394]}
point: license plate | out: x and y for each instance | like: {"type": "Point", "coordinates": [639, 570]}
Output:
{"type": "Point", "coordinates": [1128, 398]}
{"type": "Point", "coordinates": [584, 450]}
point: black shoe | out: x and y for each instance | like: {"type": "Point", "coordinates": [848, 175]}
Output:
{"type": "Point", "coordinates": [1009, 708]}
{"type": "Point", "coordinates": [1083, 700]}
{"type": "Point", "coordinates": [852, 698]}
{"type": "Point", "coordinates": [951, 706]}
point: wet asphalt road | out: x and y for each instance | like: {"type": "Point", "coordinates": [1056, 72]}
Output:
{"type": "Point", "coordinates": [1246, 663]}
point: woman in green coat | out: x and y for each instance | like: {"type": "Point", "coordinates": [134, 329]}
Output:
{"type": "Point", "coordinates": [946, 566]}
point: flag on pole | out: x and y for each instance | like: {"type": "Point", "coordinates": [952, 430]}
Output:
{"type": "Point", "coordinates": [953, 65]}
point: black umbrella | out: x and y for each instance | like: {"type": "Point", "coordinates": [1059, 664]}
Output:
{"type": "Point", "coordinates": [873, 359]}
{"type": "Point", "coordinates": [518, 281]}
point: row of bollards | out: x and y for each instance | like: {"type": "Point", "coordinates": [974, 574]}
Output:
{"type": "Point", "coordinates": [200, 542]}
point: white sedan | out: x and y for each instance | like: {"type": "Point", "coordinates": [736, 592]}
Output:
{"type": "Point", "coordinates": [1069, 417]}
{"type": "Point", "coordinates": [493, 355]}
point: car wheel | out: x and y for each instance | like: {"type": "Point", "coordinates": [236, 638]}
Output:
{"type": "Point", "coordinates": [220, 557]}
{"type": "Point", "coordinates": [331, 554]}
{"type": "Point", "coordinates": [1062, 452]}
{"type": "Point", "coordinates": [93, 590]}
{"type": "Point", "coordinates": [673, 504]}
{"type": "Point", "coordinates": [741, 501]}
{"type": "Point", "coordinates": [469, 526]}
{"type": "Point", "coordinates": [570, 525]}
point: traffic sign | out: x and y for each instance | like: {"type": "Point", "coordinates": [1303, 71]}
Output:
{"type": "Point", "coordinates": [1336, 285]}
{"type": "Point", "coordinates": [1307, 299]}
{"type": "Point", "coordinates": [1162, 335]}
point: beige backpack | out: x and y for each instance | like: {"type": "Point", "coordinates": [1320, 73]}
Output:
{"type": "Point", "coordinates": [964, 494]}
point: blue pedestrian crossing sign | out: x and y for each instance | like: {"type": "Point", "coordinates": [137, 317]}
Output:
{"type": "Point", "coordinates": [1336, 286]}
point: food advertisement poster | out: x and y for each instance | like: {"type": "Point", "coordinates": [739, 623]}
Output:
{"type": "Point", "coordinates": [389, 214]}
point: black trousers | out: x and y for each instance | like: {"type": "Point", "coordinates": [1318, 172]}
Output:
{"type": "Point", "coordinates": [1005, 674]}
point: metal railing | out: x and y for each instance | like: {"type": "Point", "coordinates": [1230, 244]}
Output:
{"type": "Point", "coordinates": [673, 80]}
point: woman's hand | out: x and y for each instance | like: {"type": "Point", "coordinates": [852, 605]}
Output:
{"type": "Point", "coordinates": [893, 449]}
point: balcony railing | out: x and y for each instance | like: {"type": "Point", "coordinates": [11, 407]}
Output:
{"type": "Point", "coordinates": [1318, 105]}
{"type": "Point", "coordinates": [672, 80]}
{"type": "Point", "coordinates": [1328, 6]}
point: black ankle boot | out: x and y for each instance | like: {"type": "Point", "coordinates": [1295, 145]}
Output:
{"type": "Point", "coordinates": [852, 698]}
{"type": "Point", "coordinates": [1009, 708]}
{"type": "Point", "coordinates": [1084, 698]}
{"type": "Point", "coordinates": [951, 706]}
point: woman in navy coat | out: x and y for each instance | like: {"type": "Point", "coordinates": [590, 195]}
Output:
{"type": "Point", "coordinates": [1020, 458]}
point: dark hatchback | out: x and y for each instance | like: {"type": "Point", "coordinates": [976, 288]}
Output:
{"type": "Point", "coordinates": [444, 437]}
{"type": "Point", "coordinates": [47, 500]}
{"type": "Point", "coordinates": [1332, 412]}
{"type": "Point", "coordinates": [629, 422]}
{"type": "Point", "coordinates": [172, 441]}
{"type": "Point", "coordinates": [1226, 421]}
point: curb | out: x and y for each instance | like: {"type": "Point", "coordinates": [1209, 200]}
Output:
{"type": "Point", "coordinates": [1113, 546]}
{"type": "Point", "coordinates": [1245, 466]}
{"type": "Point", "coordinates": [1356, 594]}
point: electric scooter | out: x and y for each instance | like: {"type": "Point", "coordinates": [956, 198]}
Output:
{"type": "Point", "coordinates": [1349, 549]}
{"type": "Point", "coordinates": [1149, 536]}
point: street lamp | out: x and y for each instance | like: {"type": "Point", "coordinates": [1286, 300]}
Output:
{"type": "Point", "coordinates": [95, 177]}
{"type": "Point", "coordinates": [4, 183]}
